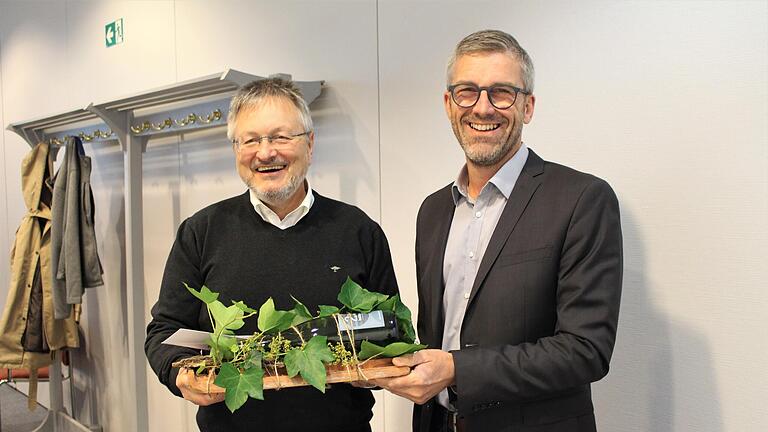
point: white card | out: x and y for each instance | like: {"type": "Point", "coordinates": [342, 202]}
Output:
{"type": "Point", "coordinates": [192, 339]}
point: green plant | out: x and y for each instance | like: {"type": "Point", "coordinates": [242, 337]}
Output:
{"type": "Point", "coordinates": [239, 362]}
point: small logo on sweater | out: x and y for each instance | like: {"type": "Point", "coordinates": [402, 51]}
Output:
{"type": "Point", "coordinates": [335, 268]}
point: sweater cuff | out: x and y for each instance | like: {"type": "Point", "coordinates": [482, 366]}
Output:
{"type": "Point", "coordinates": [172, 381]}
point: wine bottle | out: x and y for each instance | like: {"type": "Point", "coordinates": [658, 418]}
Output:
{"type": "Point", "coordinates": [379, 327]}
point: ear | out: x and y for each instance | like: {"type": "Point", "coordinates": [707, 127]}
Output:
{"type": "Point", "coordinates": [311, 144]}
{"type": "Point", "coordinates": [530, 103]}
{"type": "Point", "coordinates": [447, 103]}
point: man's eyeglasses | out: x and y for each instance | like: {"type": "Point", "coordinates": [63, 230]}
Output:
{"type": "Point", "coordinates": [275, 140]}
{"type": "Point", "coordinates": [501, 96]}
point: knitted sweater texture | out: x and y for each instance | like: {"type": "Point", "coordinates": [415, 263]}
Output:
{"type": "Point", "coordinates": [231, 250]}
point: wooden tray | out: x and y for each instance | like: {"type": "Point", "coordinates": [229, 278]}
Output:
{"type": "Point", "coordinates": [371, 369]}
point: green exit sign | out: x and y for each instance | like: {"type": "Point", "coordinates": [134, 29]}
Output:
{"type": "Point", "coordinates": [113, 33]}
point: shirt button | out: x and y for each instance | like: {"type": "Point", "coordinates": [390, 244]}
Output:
{"type": "Point", "coordinates": [471, 254]}
{"type": "Point", "coordinates": [466, 295]}
{"type": "Point", "coordinates": [478, 214]}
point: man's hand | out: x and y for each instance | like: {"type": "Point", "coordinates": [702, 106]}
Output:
{"type": "Point", "coordinates": [184, 381]}
{"type": "Point", "coordinates": [431, 372]}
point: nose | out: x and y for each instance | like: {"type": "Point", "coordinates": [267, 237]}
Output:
{"type": "Point", "coordinates": [266, 151]}
{"type": "Point", "coordinates": [483, 107]}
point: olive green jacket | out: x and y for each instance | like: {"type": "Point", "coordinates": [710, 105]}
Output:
{"type": "Point", "coordinates": [28, 331]}
{"type": "Point", "coordinates": [75, 261]}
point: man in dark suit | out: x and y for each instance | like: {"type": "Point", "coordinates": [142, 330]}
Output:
{"type": "Point", "coordinates": [519, 267]}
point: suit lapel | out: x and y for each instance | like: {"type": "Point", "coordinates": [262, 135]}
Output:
{"type": "Point", "coordinates": [521, 195]}
{"type": "Point", "coordinates": [442, 226]}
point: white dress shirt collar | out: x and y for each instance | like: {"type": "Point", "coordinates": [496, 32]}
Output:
{"type": "Point", "coordinates": [292, 218]}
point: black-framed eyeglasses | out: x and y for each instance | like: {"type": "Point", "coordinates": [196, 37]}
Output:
{"type": "Point", "coordinates": [276, 140]}
{"type": "Point", "coordinates": [502, 96]}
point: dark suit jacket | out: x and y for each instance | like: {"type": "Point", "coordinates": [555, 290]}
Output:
{"type": "Point", "coordinates": [541, 320]}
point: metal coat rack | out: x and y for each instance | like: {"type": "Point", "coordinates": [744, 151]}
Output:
{"type": "Point", "coordinates": [195, 104]}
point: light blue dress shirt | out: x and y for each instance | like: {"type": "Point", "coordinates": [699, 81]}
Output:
{"type": "Point", "coordinates": [471, 229]}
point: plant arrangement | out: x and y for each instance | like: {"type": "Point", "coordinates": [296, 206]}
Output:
{"type": "Point", "coordinates": [239, 363]}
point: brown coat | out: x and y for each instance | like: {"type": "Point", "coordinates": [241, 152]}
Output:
{"type": "Point", "coordinates": [28, 330]}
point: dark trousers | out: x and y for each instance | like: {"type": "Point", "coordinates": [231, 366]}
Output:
{"type": "Point", "coordinates": [446, 421]}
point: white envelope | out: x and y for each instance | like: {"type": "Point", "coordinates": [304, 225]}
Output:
{"type": "Point", "coordinates": [192, 339]}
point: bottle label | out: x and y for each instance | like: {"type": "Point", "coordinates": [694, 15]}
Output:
{"type": "Point", "coordinates": [361, 321]}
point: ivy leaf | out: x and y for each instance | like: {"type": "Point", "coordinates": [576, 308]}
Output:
{"type": "Point", "coordinates": [403, 314]}
{"type": "Point", "coordinates": [270, 318]}
{"type": "Point", "coordinates": [220, 346]}
{"type": "Point", "coordinates": [396, 349]}
{"type": "Point", "coordinates": [357, 298]}
{"type": "Point", "coordinates": [407, 330]}
{"type": "Point", "coordinates": [388, 304]}
{"type": "Point", "coordinates": [243, 307]}
{"type": "Point", "coordinates": [226, 318]}
{"type": "Point", "coordinates": [253, 360]}
{"type": "Point", "coordinates": [302, 313]}
{"type": "Point", "coordinates": [326, 311]}
{"type": "Point", "coordinates": [308, 361]}
{"type": "Point", "coordinates": [240, 385]}
{"type": "Point", "coordinates": [207, 296]}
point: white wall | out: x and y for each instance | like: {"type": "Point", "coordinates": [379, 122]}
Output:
{"type": "Point", "coordinates": [667, 101]}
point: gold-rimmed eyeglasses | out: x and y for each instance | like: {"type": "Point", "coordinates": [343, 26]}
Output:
{"type": "Point", "coordinates": [275, 140]}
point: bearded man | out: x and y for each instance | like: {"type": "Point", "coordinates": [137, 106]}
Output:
{"type": "Point", "coordinates": [279, 238]}
{"type": "Point", "coordinates": [519, 267]}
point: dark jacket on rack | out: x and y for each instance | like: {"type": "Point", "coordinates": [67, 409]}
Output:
{"type": "Point", "coordinates": [28, 330]}
{"type": "Point", "coordinates": [74, 258]}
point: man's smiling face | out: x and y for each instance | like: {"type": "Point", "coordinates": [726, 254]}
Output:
{"type": "Point", "coordinates": [488, 136]}
{"type": "Point", "coordinates": [274, 172]}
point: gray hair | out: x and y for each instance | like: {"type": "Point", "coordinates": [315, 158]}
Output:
{"type": "Point", "coordinates": [493, 41]}
{"type": "Point", "coordinates": [255, 92]}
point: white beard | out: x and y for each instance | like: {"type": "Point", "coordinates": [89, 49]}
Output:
{"type": "Point", "coordinates": [281, 194]}
{"type": "Point", "coordinates": [274, 196]}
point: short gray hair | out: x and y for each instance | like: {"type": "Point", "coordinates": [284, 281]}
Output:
{"type": "Point", "coordinates": [493, 41]}
{"type": "Point", "coordinates": [254, 92]}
